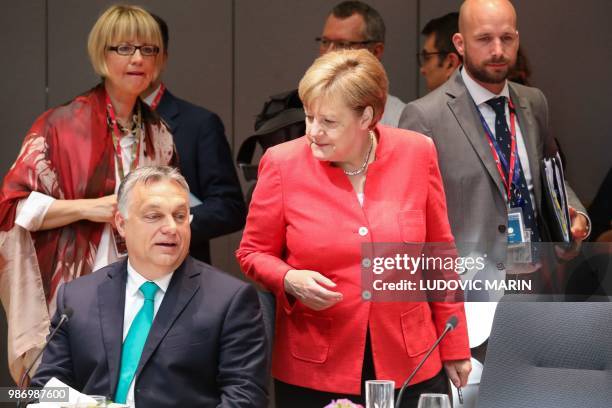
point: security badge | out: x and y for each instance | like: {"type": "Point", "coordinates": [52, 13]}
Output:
{"type": "Point", "coordinates": [519, 237]}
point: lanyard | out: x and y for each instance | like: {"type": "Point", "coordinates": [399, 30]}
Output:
{"type": "Point", "coordinates": [116, 135]}
{"type": "Point", "coordinates": [158, 97]}
{"type": "Point", "coordinates": [498, 156]}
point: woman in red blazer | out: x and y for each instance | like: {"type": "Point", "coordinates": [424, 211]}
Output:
{"type": "Point", "coordinates": [318, 198]}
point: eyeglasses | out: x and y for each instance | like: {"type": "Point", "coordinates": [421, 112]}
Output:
{"type": "Point", "coordinates": [325, 43]}
{"type": "Point", "coordinates": [129, 49]}
{"type": "Point", "coordinates": [425, 56]}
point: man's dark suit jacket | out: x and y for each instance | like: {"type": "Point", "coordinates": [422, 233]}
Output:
{"type": "Point", "coordinates": [206, 162]}
{"type": "Point", "coordinates": [206, 348]}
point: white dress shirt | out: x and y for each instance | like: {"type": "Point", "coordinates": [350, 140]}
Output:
{"type": "Point", "coordinates": [481, 95]}
{"type": "Point", "coordinates": [134, 299]}
{"type": "Point", "coordinates": [360, 198]}
{"type": "Point", "coordinates": [149, 99]}
{"type": "Point", "coordinates": [393, 110]}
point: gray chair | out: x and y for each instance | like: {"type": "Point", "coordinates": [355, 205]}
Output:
{"type": "Point", "coordinates": [548, 355]}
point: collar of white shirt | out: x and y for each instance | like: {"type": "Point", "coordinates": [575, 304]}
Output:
{"type": "Point", "coordinates": [479, 93]}
{"type": "Point", "coordinates": [149, 99]}
{"type": "Point", "coordinates": [135, 281]}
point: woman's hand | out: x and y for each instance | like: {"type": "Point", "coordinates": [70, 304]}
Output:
{"type": "Point", "coordinates": [458, 371]}
{"type": "Point", "coordinates": [65, 212]}
{"type": "Point", "coordinates": [307, 287]}
{"type": "Point", "coordinates": [100, 209]}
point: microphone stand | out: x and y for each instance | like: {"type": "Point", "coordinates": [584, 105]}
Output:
{"type": "Point", "coordinates": [64, 318]}
{"type": "Point", "coordinates": [450, 325]}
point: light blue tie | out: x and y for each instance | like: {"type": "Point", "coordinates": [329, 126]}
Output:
{"type": "Point", "coordinates": [135, 341]}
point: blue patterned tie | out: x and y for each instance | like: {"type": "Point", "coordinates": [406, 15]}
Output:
{"type": "Point", "coordinates": [135, 341]}
{"type": "Point", "coordinates": [519, 192]}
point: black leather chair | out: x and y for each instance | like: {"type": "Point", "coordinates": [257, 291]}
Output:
{"type": "Point", "coordinates": [548, 355]}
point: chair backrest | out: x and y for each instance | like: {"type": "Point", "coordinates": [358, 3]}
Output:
{"type": "Point", "coordinates": [548, 354]}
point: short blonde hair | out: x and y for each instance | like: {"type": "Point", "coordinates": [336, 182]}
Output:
{"type": "Point", "coordinates": [356, 76]}
{"type": "Point", "coordinates": [121, 23]}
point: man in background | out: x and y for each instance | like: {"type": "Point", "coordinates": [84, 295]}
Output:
{"type": "Point", "coordinates": [205, 159]}
{"type": "Point", "coordinates": [439, 58]}
{"type": "Point", "coordinates": [352, 25]}
{"type": "Point", "coordinates": [479, 121]}
{"type": "Point", "coordinates": [471, 118]}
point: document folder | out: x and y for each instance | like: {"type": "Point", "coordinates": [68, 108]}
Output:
{"type": "Point", "coordinates": [555, 207]}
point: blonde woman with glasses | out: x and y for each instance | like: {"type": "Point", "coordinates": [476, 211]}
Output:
{"type": "Point", "coordinates": [58, 200]}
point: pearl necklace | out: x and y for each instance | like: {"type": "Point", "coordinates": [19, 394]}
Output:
{"type": "Point", "coordinates": [364, 166]}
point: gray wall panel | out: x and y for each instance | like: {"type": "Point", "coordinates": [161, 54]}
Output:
{"type": "Point", "coordinates": [70, 72]}
{"type": "Point", "coordinates": [22, 99]}
{"type": "Point", "coordinates": [568, 44]}
{"type": "Point", "coordinates": [400, 48]}
{"type": "Point", "coordinates": [200, 53]}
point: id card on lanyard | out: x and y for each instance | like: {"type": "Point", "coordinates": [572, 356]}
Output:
{"type": "Point", "coordinates": [518, 235]}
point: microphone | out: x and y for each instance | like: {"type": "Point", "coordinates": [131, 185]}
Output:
{"type": "Point", "coordinates": [451, 323]}
{"type": "Point", "coordinates": [63, 319]}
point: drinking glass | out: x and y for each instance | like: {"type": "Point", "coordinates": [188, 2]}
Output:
{"type": "Point", "coordinates": [86, 401]}
{"type": "Point", "coordinates": [379, 393]}
{"type": "Point", "coordinates": [100, 400]}
{"type": "Point", "coordinates": [434, 401]}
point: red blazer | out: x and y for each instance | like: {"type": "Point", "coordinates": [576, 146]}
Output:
{"type": "Point", "coordinates": [305, 215]}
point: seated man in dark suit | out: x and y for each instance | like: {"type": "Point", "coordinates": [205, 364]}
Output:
{"type": "Point", "coordinates": [159, 329]}
{"type": "Point", "coordinates": [205, 160]}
